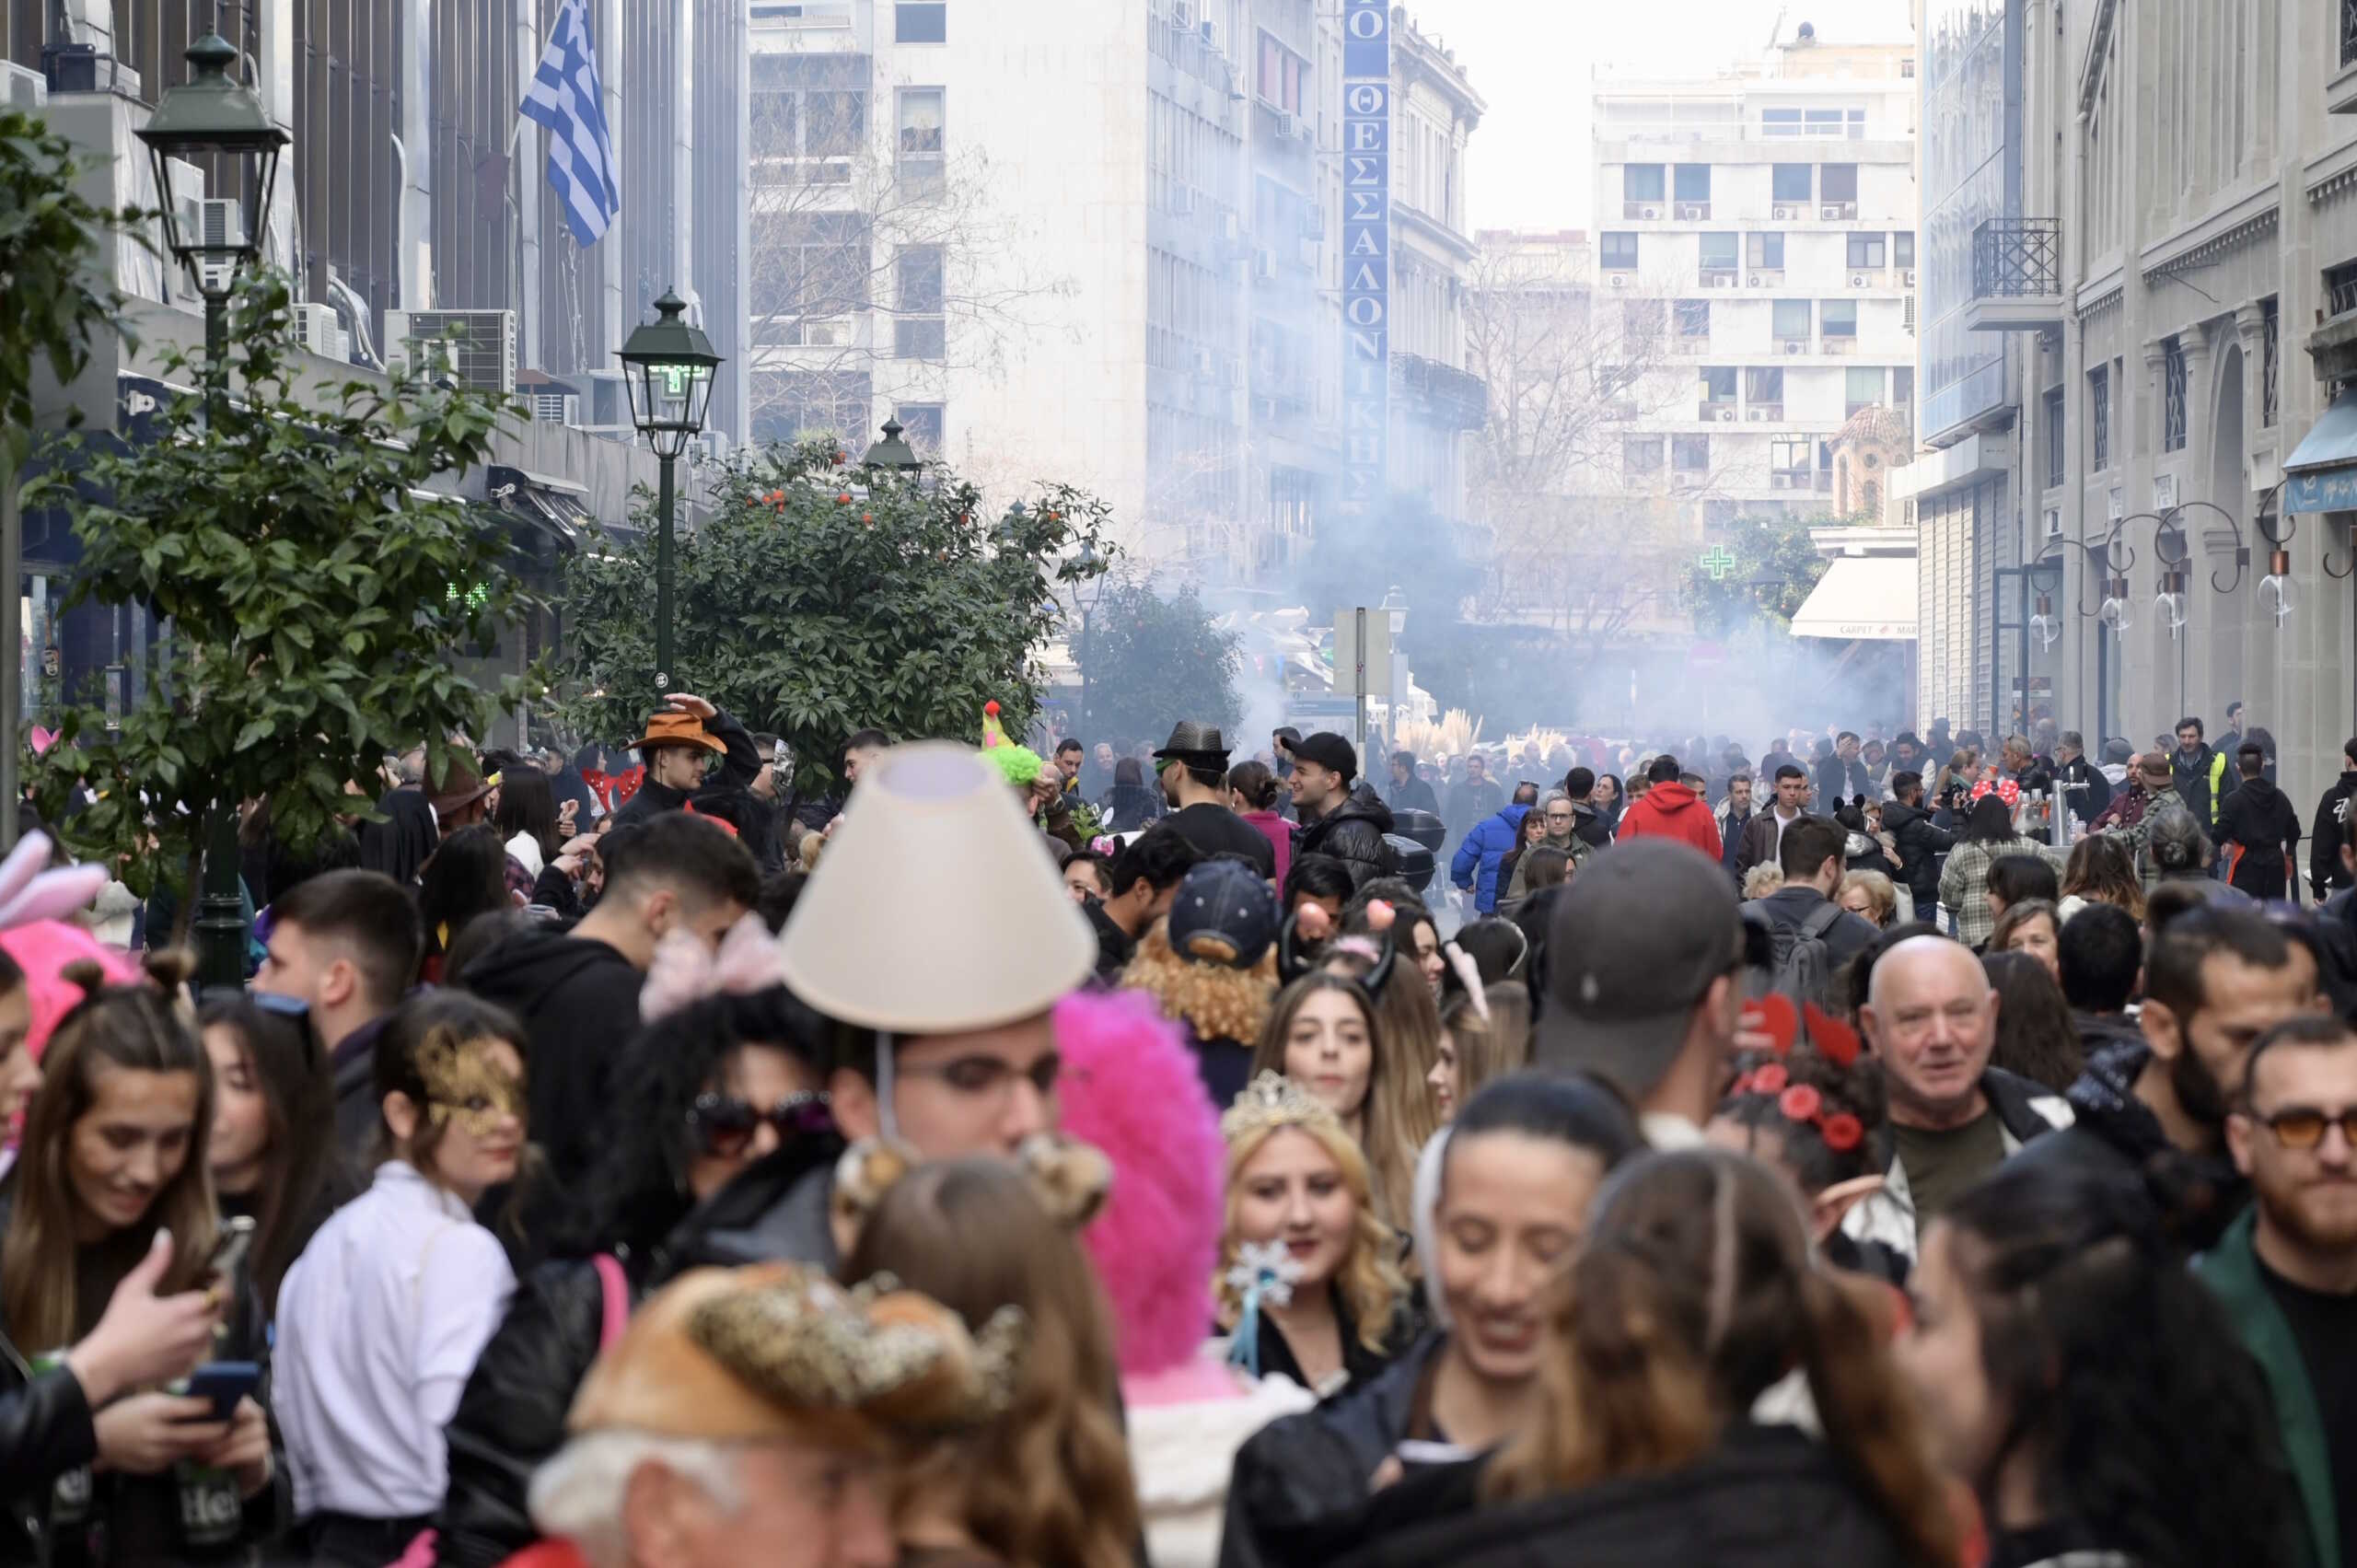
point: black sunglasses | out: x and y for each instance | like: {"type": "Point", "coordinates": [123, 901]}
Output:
{"type": "Point", "coordinates": [727, 1124]}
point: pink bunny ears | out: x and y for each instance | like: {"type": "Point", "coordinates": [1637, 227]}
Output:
{"type": "Point", "coordinates": [685, 971]}
{"type": "Point", "coordinates": [30, 892]}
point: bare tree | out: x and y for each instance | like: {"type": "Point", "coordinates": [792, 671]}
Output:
{"type": "Point", "coordinates": [1581, 540]}
{"type": "Point", "coordinates": [877, 262]}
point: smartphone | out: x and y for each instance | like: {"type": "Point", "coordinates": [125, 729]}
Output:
{"type": "Point", "coordinates": [229, 1250]}
{"type": "Point", "coordinates": [224, 1383]}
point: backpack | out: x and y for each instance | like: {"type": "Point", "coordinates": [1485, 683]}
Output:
{"type": "Point", "coordinates": [1803, 965]}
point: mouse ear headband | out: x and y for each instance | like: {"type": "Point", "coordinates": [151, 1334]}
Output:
{"type": "Point", "coordinates": [1071, 1179]}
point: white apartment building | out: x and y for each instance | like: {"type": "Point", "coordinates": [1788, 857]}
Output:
{"type": "Point", "coordinates": [2142, 215]}
{"type": "Point", "coordinates": [1755, 226]}
{"type": "Point", "coordinates": [1098, 244]}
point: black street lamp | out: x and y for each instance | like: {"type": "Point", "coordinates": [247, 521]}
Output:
{"type": "Point", "coordinates": [669, 367]}
{"type": "Point", "coordinates": [1085, 591]}
{"type": "Point", "coordinates": [893, 456]}
{"type": "Point", "coordinates": [210, 116]}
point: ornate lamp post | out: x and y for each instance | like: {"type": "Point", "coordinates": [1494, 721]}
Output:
{"type": "Point", "coordinates": [210, 116]}
{"type": "Point", "coordinates": [893, 455]}
{"type": "Point", "coordinates": [1084, 595]}
{"type": "Point", "coordinates": [668, 366]}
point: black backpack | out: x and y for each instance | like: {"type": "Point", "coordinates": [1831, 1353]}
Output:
{"type": "Point", "coordinates": [1802, 966]}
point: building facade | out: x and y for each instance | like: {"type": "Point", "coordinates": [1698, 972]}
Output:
{"type": "Point", "coordinates": [1139, 292]}
{"type": "Point", "coordinates": [2179, 181]}
{"type": "Point", "coordinates": [1757, 237]}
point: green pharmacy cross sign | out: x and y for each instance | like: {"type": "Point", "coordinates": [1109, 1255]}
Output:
{"type": "Point", "coordinates": [1717, 562]}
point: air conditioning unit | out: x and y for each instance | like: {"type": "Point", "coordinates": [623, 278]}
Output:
{"type": "Point", "coordinates": [2115, 504]}
{"type": "Point", "coordinates": [1907, 317]}
{"type": "Point", "coordinates": [318, 328]}
{"type": "Point", "coordinates": [1758, 416]}
{"type": "Point", "coordinates": [1795, 345]}
{"type": "Point", "coordinates": [480, 343]}
{"type": "Point", "coordinates": [1617, 280]}
{"type": "Point", "coordinates": [1907, 277]}
{"type": "Point", "coordinates": [556, 408]}
{"type": "Point", "coordinates": [23, 90]}
{"type": "Point", "coordinates": [1787, 212]}
{"type": "Point", "coordinates": [1264, 266]}
{"type": "Point", "coordinates": [1755, 280]}
{"type": "Point", "coordinates": [1652, 212]}
{"type": "Point", "coordinates": [1832, 211]}
{"type": "Point", "coordinates": [1857, 280]}
{"type": "Point", "coordinates": [2054, 522]}
{"type": "Point", "coordinates": [1694, 209]}
{"type": "Point", "coordinates": [1726, 416]}
{"type": "Point", "coordinates": [1289, 126]}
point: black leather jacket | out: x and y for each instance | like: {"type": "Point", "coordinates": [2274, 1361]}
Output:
{"type": "Point", "coordinates": [1920, 847]}
{"type": "Point", "coordinates": [511, 1418]}
{"type": "Point", "coordinates": [45, 1430]}
{"type": "Point", "coordinates": [1351, 833]}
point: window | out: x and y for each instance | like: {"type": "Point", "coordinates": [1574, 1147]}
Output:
{"type": "Point", "coordinates": [1617, 252]}
{"type": "Point", "coordinates": [920, 144]}
{"type": "Point", "coordinates": [818, 266]}
{"type": "Point", "coordinates": [2099, 418]}
{"type": "Point", "coordinates": [2056, 456]}
{"type": "Point", "coordinates": [1764, 385]}
{"type": "Point", "coordinates": [1902, 386]}
{"type": "Point", "coordinates": [1766, 249]}
{"type": "Point", "coordinates": [2270, 337]}
{"type": "Point", "coordinates": [1902, 248]}
{"type": "Point", "coordinates": [1838, 183]}
{"type": "Point", "coordinates": [921, 425]}
{"type": "Point", "coordinates": [2340, 288]}
{"type": "Point", "coordinates": [1838, 317]}
{"type": "Point", "coordinates": [1863, 388]}
{"type": "Point", "coordinates": [917, 330]}
{"type": "Point", "coordinates": [1693, 182]}
{"type": "Point", "coordinates": [920, 21]}
{"type": "Point", "coordinates": [1826, 122]}
{"type": "Point", "coordinates": [1640, 454]}
{"type": "Point", "coordinates": [1788, 463]}
{"type": "Point", "coordinates": [1718, 384]}
{"type": "Point", "coordinates": [1689, 454]}
{"type": "Point", "coordinates": [2172, 394]}
{"type": "Point", "coordinates": [1868, 252]}
{"type": "Point", "coordinates": [1641, 182]}
{"type": "Point", "coordinates": [1719, 252]}
{"type": "Point", "coordinates": [1793, 182]}
{"type": "Point", "coordinates": [1907, 70]}
{"type": "Point", "coordinates": [1693, 318]}
{"type": "Point", "coordinates": [1780, 121]}
{"type": "Point", "coordinates": [834, 124]}
{"type": "Point", "coordinates": [1280, 72]}
{"type": "Point", "coordinates": [1790, 321]}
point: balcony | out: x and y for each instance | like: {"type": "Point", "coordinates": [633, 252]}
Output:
{"type": "Point", "coordinates": [2016, 276]}
{"type": "Point", "coordinates": [1449, 398]}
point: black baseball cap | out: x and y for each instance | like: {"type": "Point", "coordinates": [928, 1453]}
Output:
{"type": "Point", "coordinates": [1329, 752]}
{"type": "Point", "coordinates": [1636, 940]}
{"type": "Point", "coordinates": [1224, 912]}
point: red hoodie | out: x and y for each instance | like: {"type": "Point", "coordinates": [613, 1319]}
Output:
{"type": "Point", "coordinates": [1672, 811]}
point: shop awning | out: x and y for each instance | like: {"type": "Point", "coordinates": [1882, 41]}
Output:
{"type": "Point", "coordinates": [553, 507]}
{"type": "Point", "coordinates": [2321, 474]}
{"type": "Point", "coordinates": [1862, 598]}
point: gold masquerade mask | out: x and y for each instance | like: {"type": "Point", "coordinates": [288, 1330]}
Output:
{"type": "Point", "coordinates": [466, 1084]}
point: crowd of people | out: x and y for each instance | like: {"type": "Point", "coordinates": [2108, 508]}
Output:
{"type": "Point", "coordinates": [1873, 1155]}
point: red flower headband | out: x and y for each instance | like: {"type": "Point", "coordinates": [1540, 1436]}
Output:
{"type": "Point", "coordinates": [1833, 1039]}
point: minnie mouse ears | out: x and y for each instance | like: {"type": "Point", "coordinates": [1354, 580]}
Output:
{"type": "Point", "coordinates": [30, 892]}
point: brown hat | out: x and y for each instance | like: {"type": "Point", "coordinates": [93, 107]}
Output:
{"type": "Point", "coordinates": [673, 728]}
{"type": "Point", "coordinates": [2153, 765]}
{"type": "Point", "coordinates": [458, 787]}
{"type": "Point", "coordinates": [779, 1349]}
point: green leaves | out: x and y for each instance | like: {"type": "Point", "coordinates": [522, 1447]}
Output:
{"type": "Point", "coordinates": [1775, 565]}
{"type": "Point", "coordinates": [313, 624]}
{"type": "Point", "coordinates": [810, 616]}
{"type": "Point", "coordinates": [1151, 662]}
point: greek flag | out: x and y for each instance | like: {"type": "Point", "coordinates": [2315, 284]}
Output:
{"type": "Point", "coordinates": [565, 98]}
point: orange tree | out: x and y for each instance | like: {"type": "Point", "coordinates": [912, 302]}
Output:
{"type": "Point", "coordinates": [814, 600]}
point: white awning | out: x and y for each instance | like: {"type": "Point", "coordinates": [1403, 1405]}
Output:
{"type": "Point", "coordinates": [1862, 597]}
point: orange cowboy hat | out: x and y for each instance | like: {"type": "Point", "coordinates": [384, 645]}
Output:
{"type": "Point", "coordinates": [673, 728]}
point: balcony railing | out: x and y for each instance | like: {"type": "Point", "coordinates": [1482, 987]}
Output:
{"type": "Point", "coordinates": [2018, 258]}
{"type": "Point", "coordinates": [1457, 398]}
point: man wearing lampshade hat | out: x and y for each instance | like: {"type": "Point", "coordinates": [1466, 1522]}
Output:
{"type": "Point", "coordinates": [938, 937]}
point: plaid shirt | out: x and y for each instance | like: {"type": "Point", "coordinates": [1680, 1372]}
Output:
{"type": "Point", "coordinates": [1964, 883]}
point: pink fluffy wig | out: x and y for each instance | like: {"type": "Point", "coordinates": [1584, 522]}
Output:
{"type": "Point", "coordinates": [42, 949]}
{"type": "Point", "coordinates": [1130, 1087]}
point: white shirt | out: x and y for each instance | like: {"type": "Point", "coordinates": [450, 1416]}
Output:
{"type": "Point", "coordinates": [379, 1323]}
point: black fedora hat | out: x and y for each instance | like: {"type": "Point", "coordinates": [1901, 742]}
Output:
{"type": "Point", "coordinates": [1198, 745]}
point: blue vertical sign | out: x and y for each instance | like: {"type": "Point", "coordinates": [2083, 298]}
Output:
{"type": "Point", "coordinates": [1366, 250]}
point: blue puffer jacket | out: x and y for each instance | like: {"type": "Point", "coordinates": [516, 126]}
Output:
{"type": "Point", "coordinates": [1482, 849]}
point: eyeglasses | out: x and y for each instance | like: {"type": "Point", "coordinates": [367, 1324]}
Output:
{"type": "Point", "coordinates": [727, 1125]}
{"type": "Point", "coordinates": [989, 1076]}
{"type": "Point", "coordinates": [2303, 1127]}
{"type": "Point", "coordinates": [1558, 816]}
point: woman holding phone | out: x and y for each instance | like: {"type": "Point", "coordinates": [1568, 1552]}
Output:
{"type": "Point", "coordinates": [113, 1153]}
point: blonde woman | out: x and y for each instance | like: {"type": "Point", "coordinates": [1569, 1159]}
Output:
{"type": "Point", "coordinates": [1297, 1191]}
{"type": "Point", "coordinates": [1871, 896]}
{"type": "Point", "coordinates": [1323, 1035]}
{"type": "Point", "coordinates": [1483, 1034]}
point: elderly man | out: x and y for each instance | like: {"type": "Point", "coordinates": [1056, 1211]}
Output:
{"type": "Point", "coordinates": [1932, 1018]}
{"type": "Point", "coordinates": [740, 1423]}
